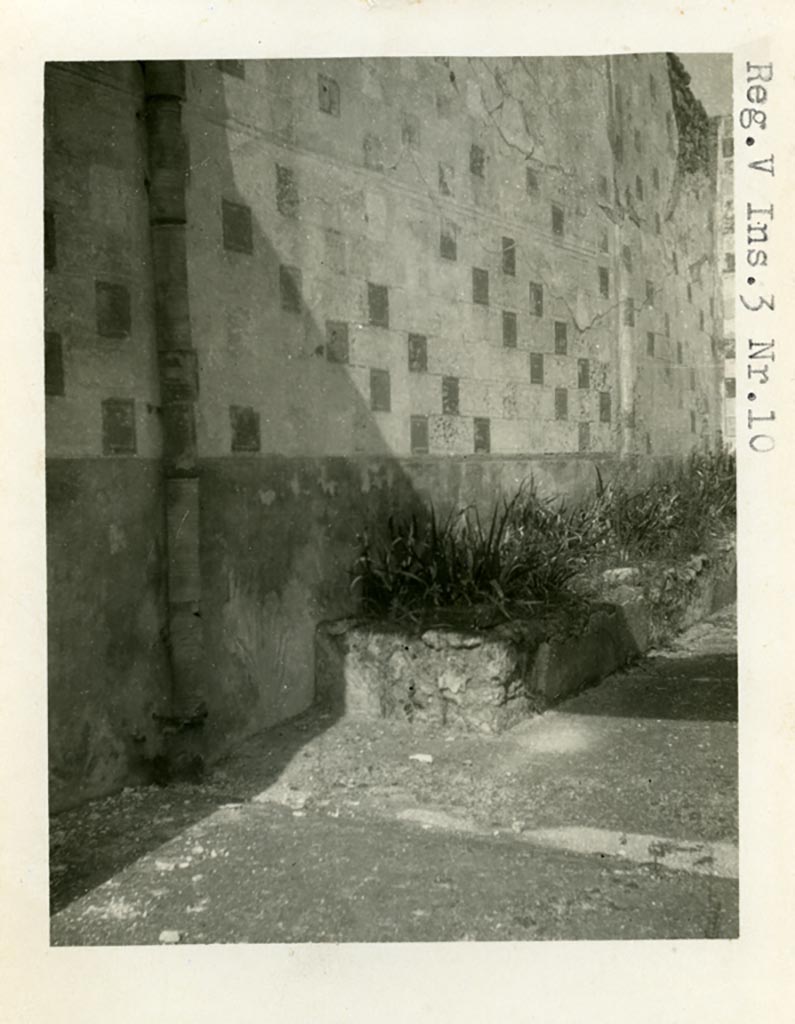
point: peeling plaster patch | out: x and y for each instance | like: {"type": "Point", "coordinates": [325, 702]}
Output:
{"type": "Point", "coordinates": [266, 497]}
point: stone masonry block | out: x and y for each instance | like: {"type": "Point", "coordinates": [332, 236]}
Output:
{"type": "Point", "coordinates": [53, 364]}
{"type": "Point", "coordinates": [450, 396]}
{"type": "Point", "coordinates": [508, 436]}
{"type": "Point", "coordinates": [237, 230]}
{"type": "Point", "coordinates": [286, 191]}
{"type": "Point", "coordinates": [424, 394]}
{"type": "Point", "coordinates": [482, 435]}
{"type": "Point", "coordinates": [450, 435]}
{"type": "Point", "coordinates": [245, 425]}
{"type": "Point", "coordinates": [448, 240]}
{"type": "Point", "coordinates": [480, 286]}
{"type": "Point", "coordinates": [509, 329]}
{"type": "Point", "coordinates": [118, 426]}
{"type": "Point", "coordinates": [418, 353]}
{"type": "Point", "coordinates": [380, 391]}
{"type": "Point", "coordinates": [334, 251]}
{"type": "Point", "coordinates": [419, 435]}
{"type": "Point", "coordinates": [114, 319]}
{"type": "Point", "coordinates": [472, 682]}
{"type": "Point", "coordinates": [378, 304]}
{"type": "Point", "coordinates": [290, 285]}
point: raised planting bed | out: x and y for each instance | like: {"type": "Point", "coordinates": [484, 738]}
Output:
{"type": "Point", "coordinates": [463, 671]}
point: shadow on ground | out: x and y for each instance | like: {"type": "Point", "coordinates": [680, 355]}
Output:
{"type": "Point", "coordinates": [262, 545]}
{"type": "Point", "coordinates": [91, 843]}
{"type": "Point", "coordinates": [340, 762]}
{"type": "Point", "coordinates": [699, 688]}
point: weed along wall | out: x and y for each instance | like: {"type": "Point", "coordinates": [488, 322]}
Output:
{"type": "Point", "coordinates": [287, 297]}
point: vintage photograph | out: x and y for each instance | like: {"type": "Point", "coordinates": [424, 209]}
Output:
{"type": "Point", "coordinates": [390, 481]}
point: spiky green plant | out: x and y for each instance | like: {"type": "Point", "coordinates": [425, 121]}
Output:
{"type": "Point", "coordinates": [527, 551]}
{"type": "Point", "coordinates": [530, 549]}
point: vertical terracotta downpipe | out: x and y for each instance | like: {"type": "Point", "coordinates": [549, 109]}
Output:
{"type": "Point", "coordinates": [164, 87]}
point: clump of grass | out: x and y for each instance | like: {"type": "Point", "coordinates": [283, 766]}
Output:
{"type": "Point", "coordinates": [525, 553]}
{"type": "Point", "coordinates": [530, 549]}
{"type": "Point", "coordinates": [675, 514]}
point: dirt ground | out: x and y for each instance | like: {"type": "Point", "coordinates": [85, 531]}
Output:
{"type": "Point", "coordinates": [650, 752]}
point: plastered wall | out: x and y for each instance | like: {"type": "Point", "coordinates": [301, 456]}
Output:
{"type": "Point", "coordinates": [407, 280]}
{"type": "Point", "coordinates": [107, 658]}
